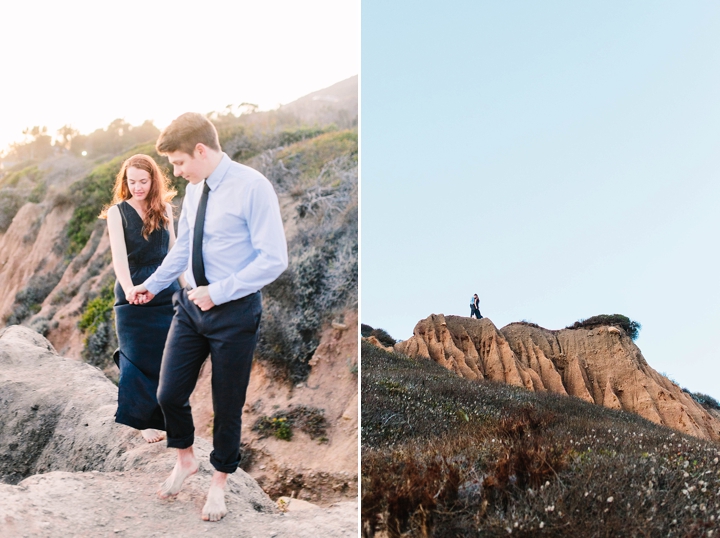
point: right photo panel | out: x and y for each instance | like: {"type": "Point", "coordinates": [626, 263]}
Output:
{"type": "Point", "coordinates": [539, 255]}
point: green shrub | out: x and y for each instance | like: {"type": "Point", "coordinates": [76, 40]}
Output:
{"type": "Point", "coordinates": [38, 192]}
{"type": "Point", "coordinates": [97, 311]}
{"type": "Point", "coordinates": [631, 328]}
{"type": "Point", "coordinates": [310, 157]}
{"type": "Point", "coordinates": [10, 203]}
{"type": "Point", "coordinates": [298, 134]}
{"type": "Point", "coordinates": [383, 337]}
{"type": "Point", "coordinates": [97, 321]}
{"type": "Point", "coordinates": [310, 420]}
{"type": "Point", "coordinates": [705, 400]}
{"type": "Point", "coordinates": [28, 300]}
{"type": "Point", "coordinates": [322, 275]}
{"type": "Point", "coordinates": [279, 427]}
{"type": "Point", "coordinates": [30, 174]}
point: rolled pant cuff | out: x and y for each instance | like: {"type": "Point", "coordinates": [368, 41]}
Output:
{"type": "Point", "coordinates": [184, 442]}
{"type": "Point", "coordinates": [224, 468]}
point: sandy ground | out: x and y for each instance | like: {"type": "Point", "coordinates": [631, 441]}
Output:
{"type": "Point", "coordinates": [124, 504]}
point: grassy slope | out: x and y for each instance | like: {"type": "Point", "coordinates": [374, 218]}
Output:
{"type": "Point", "coordinates": [444, 456]}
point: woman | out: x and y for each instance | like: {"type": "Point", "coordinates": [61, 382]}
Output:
{"type": "Point", "coordinates": [140, 225]}
{"type": "Point", "coordinates": [475, 307]}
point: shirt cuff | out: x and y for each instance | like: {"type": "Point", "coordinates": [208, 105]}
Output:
{"type": "Point", "coordinates": [216, 294]}
{"type": "Point", "coordinates": [152, 286]}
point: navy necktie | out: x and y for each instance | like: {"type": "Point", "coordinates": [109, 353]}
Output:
{"type": "Point", "coordinates": [198, 267]}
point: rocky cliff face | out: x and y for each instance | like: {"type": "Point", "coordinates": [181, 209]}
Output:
{"type": "Point", "coordinates": [600, 365]}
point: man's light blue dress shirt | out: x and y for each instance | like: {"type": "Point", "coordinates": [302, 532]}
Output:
{"type": "Point", "coordinates": [244, 245]}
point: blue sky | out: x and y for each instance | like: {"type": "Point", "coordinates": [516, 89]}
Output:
{"type": "Point", "coordinates": [560, 159]}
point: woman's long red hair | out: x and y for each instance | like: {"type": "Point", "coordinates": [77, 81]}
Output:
{"type": "Point", "coordinates": [160, 193]}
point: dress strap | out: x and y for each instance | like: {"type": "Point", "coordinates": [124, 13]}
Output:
{"type": "Point", "coordinates": [121, 207]}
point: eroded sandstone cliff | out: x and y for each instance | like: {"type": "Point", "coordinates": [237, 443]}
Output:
{"type": "Point", "coordinates": [600, 365]}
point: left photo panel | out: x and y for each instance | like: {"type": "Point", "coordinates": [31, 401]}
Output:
{"type": "Point", "coordinates": [179, 269]}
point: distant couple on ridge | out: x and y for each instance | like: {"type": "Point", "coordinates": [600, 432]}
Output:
{"type": "Point", "coordinates": [475, 307]}
{"type": "Point", "coordinates": [230, 243]}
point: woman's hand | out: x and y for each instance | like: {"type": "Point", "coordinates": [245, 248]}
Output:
{"type": "Point", "coordinates": [139, 295]}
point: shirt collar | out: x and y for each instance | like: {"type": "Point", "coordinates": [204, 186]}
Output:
{"type": "Point", "coordinates": [214, 179]}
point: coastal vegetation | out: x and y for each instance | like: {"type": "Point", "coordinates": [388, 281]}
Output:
{"type": "Point", "coordinates": [631, 328]}
{"type": "Point", "coordinates": [446, 457]}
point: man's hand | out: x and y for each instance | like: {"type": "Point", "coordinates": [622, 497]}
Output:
{"type": "Point", "coordinates": [139, 295]}
{"type": "Point", "coordinates": [201, 297]}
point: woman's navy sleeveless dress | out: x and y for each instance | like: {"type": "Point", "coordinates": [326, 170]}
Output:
{"type": "Point", "coordinates": [141, 329]}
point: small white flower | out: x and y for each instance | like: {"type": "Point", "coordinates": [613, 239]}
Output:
{"type": "Point", "coordinates": [609, 499]}
{"type": "Point", "coordinates": [542, 524]}
{"type": "Point", "coordinates": [685, 475]}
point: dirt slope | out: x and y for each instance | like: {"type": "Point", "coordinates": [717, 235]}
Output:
{"type": "Point", "coordinates": [320, 471]}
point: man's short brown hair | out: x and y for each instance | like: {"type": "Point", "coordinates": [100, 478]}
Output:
{"type": "Point", "coordinates": [186, 132]}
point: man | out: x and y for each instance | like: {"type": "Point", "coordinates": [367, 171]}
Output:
{"type": "Point", "coordinates": [475, 307]}
{"type": "Point", "coordinates": [230, 244]}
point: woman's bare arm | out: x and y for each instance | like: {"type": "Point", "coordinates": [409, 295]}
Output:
{"type": "Point", "coordinates": [118, 249]}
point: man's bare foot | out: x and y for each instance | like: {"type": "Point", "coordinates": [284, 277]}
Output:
{"type": "Point", "coordinates": [152, 436]}
{"type": "Point", "coordinates": [215, 509]}
{"type": "Point", "coordinates": [185, 466]}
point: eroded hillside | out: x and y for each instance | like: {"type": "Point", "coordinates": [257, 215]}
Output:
{"type": "Point", "coordinates": [56, 275]}
{"type": "Point", "coordinates": [601, 365]}
{"type": "Point", "coordinates": [447, 456]}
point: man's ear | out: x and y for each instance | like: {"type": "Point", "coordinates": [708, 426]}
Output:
{"type": "Point", "coordinates": [200, 150]}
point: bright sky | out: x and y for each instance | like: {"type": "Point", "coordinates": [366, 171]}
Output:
{"type": "Point", "coordinates": [86, 63]}
{"type": "Point", "coordinates": [561, 159]}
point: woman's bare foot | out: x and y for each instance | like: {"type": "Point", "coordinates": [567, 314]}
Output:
{"type": "Point", "coordinates": [152, 436]}
{"type": "Point", "coordinates": [186, 465]}
{"type": "Point", "coordinates": [215, 509]}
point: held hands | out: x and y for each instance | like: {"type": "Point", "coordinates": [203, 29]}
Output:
{"type": "Point", "coordinates": [139, 295]}
{"type": "Point", "coordinates": [201, 297]}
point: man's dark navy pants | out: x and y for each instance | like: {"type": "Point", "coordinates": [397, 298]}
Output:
{"type": "Point", "coordinates": [228, 332]}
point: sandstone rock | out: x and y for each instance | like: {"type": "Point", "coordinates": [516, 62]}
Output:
{"type": "Point", "coordinates": [601, 365]}
{"type": "Point", "coordinates": [288, 504]}
{"type": "Point", "coordinates": [377, 343]}
{"type": "Point", "coordinates": [67, 469]}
